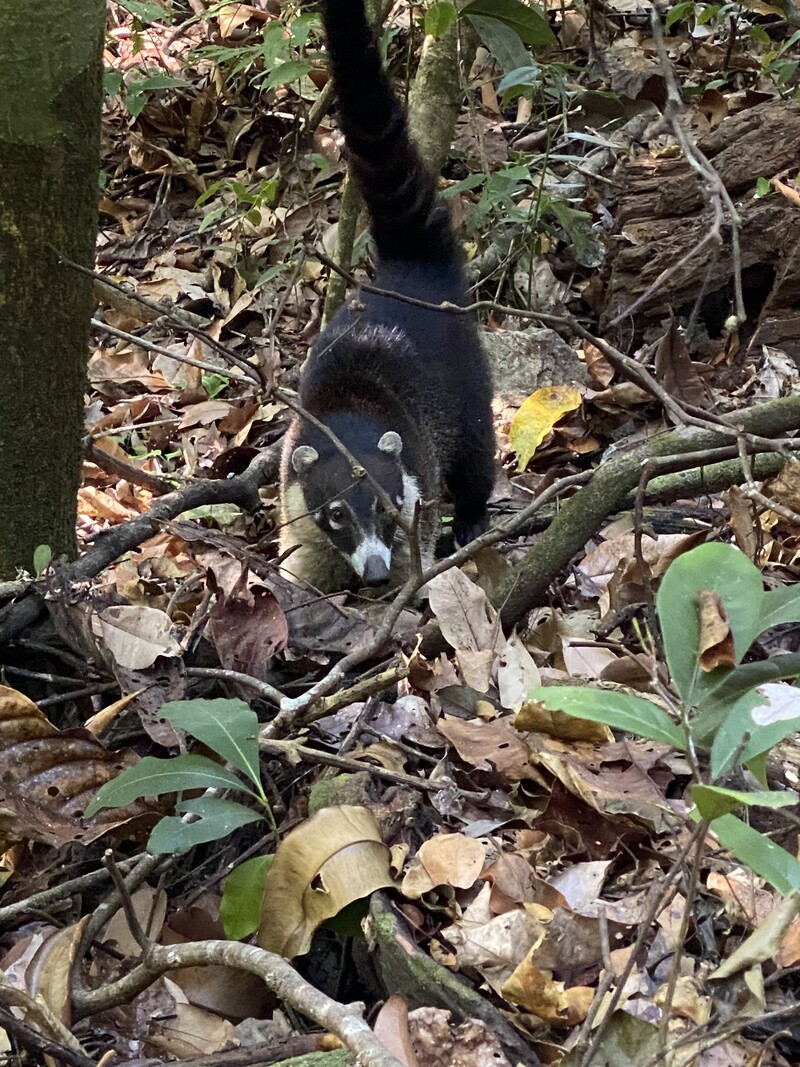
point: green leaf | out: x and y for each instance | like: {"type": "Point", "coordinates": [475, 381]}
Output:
{"type": "Point", "coordinates": [713, 801]}
{"type": "Point", "coordinates": [727, 572]}
{"type": "Point", "coordinates": [440, 17]}
{"type": "Point", "coordinates": [42, 555]}
{"type": "Point", "coordinates": [767, 715]}
{"type": "Point", "coordinates": [290, 71]}
{"type": "Point", "coordinates": [725, 731]}
{"type": "Point", "coordinates": [240, 908]}
{"type": "Point", "coordinates": [527, 21]}
{"type": "Point", "coordinates": [227, 727]}
{"type": "Point", "coordinates": [586, 243]}
{"type": "Point", "coordinates": [214, 384]}
{"type": "Point", "coordinates": [218, 817]}
{"type": "Point", "coordinates": [782, 604]}
{"type": "Point", "coordinates": [679, 12]}
{"type": "Point", "coordinates": [146, 12]}
{"type": "Point", "coordinates": [760, 36]}
{"type": "Point", "coordinates": [502, 42]}
{"type": "Point", "coordinates": [149, 82]}
{"type": "Point", "coordinates": [112, 81]}
{"type": "Point", "coordinates": [527, 76]}
{"type": "Point", "coordinates": [152, 777]}
{"type": "Point", "coordinates": [787, 70]}
{"type": "Point", "coordinates": [621, 711]}
{"type": "Point", "coordinates": [761, 855]}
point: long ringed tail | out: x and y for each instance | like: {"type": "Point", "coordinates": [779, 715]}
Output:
{"type": "Point", "coordinates": [409, 221]}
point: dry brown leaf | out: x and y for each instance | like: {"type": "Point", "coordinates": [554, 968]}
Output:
{"type": "Point", "coordinates": [485, 744]}
{"type": "Point", "coordinates": [466, 618]}
{"type": "Point", "coordinates": [675, 370]}
{"type": "Point", "coordinates": [517, 673]}
{"type": "Point", "coordinates": [447, 859]}
{"type": "Point", "coordinates": [136, 635]}
{"type": "Point", "coordinates": [391, 1028]}
{"type": "Point", "coordinates": [537, 992]}
{"type": "Point", "coordinates": [150, 908]}
{"type": "Point", "coordinates": [41, 965]}
{"type": "Point", "coordinates": [335, 857]}
{"type": "Point", "coordinates": [440, 1041]}
{"type": "Point", "coordinates": [47, 777]}
{"type": "Point", "coordinates": [247, 625]}
{"type": "Point", "coordinates": [536, 718]}
{"type": "Point", "coordinates": [493, 945]}
{"type": "Point", "coordinates": [596, 776]}
{"type": "Point", "coordinates": [715, 640]}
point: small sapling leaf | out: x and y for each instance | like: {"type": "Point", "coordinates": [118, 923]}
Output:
{"type": "Point", "coordinates": [152, 777]}
{"type": "Point", "coordinates": [228, 727]}
{"type": "Point", "coordinates": [217, 817]}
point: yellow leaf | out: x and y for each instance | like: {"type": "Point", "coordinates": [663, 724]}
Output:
{"type": "Point", "coordinates": [537, 417]}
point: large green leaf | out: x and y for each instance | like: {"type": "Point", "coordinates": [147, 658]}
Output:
{"type": "Point", "coordinates": [712, 801]}
{"type": "Point", "coordinates": [761, 855]}
{"type": "Point", "coordinates": [218, 817]}
{"type": "Point", "coordinates": [152, 777]}
{"type": "Point", "coordinates": [780, 605]}
{"type": "Point", "coordinates": [527, 21]}
{"type": "Point", "coordinates": [227, 727]}
{"type": "Point", "coordinates": [502, 42]}
{"type": "Point", "coordinates": [727, 572]}
{"type": "Point", "coordinates": [621, 711]}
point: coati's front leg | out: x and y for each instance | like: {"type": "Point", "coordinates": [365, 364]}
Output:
{"type": "Point", "coordinates": [470, 482]}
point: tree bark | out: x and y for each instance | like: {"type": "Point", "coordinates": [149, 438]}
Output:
{"type": "Point", "coordinates": [50, 95]}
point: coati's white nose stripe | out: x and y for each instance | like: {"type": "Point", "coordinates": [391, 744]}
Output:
{"type": "Point", "coordinates": [370, 546]}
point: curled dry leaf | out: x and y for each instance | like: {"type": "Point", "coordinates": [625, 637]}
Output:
{"type": "Point", "coordinates": [536, 991]}
{"type": "Point", "coordinates": [335, 857]}
{"type": "Point", "coordinates": [136, 635]}
{"type": "Point", "coordinates": [47, 777]}
{"type": "Point", "coordinates": [447, 859]}
{"type": "Point", "coordinates": [41, 966]}
{"type": "Point", "coordinates": [715, 639]}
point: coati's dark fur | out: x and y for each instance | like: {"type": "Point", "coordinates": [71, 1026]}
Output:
{"type": "Point", "coordinates": [389, 368]}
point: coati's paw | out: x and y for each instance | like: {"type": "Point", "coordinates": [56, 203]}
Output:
{"type": "Point", "coordinates": [467, 529]}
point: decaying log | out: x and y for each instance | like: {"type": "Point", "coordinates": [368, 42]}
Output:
{"type": "Point", "coordinates": [661, 216]}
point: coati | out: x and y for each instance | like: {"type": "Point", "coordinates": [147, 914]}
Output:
{"type": "Point", "coordinates": [406, 389]}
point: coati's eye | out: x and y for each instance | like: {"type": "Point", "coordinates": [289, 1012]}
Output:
{"type": "Point", "coordinates": [336, 515]}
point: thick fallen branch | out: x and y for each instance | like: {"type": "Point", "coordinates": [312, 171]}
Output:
{"type": "Point", "coordinates": [580, 517]}
{"type": "Point", "coordinates": [346, 1021]}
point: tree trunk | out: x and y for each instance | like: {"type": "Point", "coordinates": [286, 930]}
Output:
{"type": "Point", "coordinates": [50, 95]}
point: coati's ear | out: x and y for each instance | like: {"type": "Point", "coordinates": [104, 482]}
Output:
{"type": "Point", "coordinates": [303, 457]}
{"type": "Point", "coordinates": [391, 443]}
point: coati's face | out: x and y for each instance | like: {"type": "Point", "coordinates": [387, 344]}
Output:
{"type": "Point", "coordinates": [347, 509]}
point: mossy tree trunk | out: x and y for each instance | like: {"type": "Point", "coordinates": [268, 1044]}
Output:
{"type": "Point", "coordinates": [50, 96]}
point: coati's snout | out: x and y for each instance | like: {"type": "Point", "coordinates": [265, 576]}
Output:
{"type": "Point", "coordinates": [347, 508]}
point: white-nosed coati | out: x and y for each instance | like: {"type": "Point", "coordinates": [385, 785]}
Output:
{"type": "Point", "coordinates": [406, 389]}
